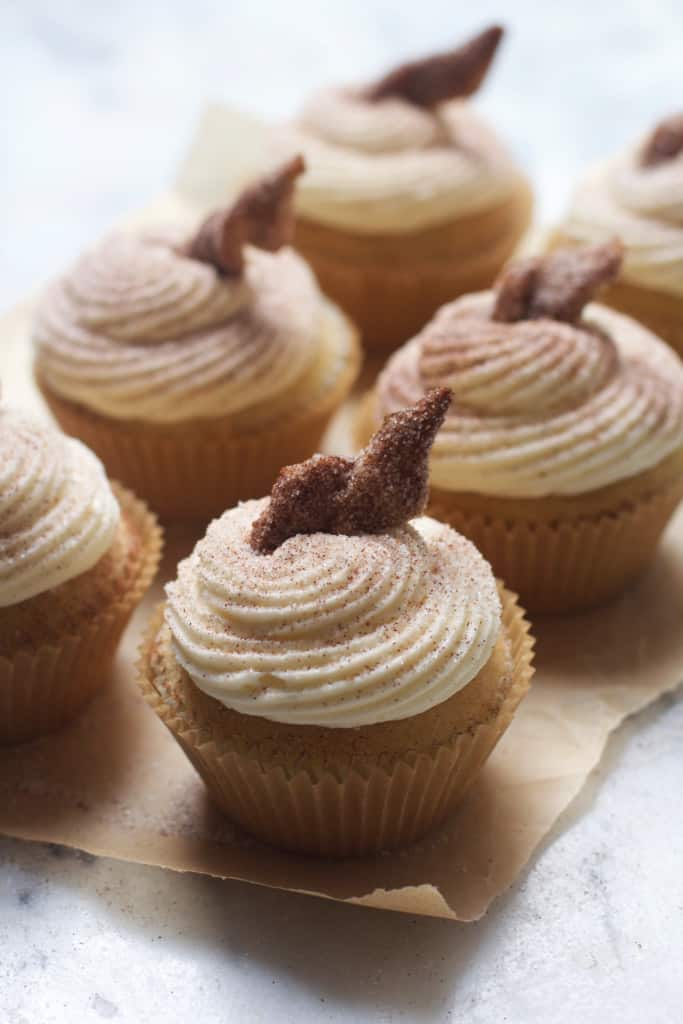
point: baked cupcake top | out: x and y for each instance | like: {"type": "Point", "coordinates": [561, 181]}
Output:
{"type": "Point", "coordinates": [549, 398]}
{"type": "Point", "coordinates": [638, 195]}
{"type": "Point", "coordinates": [58, 514]}
{"type": "Point", "coordinates": [324, 605]}
{"type": "Point", "coordinates": [158, 327]}
{"type": "Point", "coordinates": [405, 152]}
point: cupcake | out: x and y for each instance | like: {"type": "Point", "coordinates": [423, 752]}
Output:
{"type": "Point", "coordinates": [561, 456]}
{"type": "Point", "coordinates": [409, 198]}
{"type": "Point", "coordinates": [195, 367]}
{"type": "Point", "coordinates": [337, 670]}
{"type": "Point", "coordinates": [76, 556]}
{"type": "Point", "coordinates": [638, 195]}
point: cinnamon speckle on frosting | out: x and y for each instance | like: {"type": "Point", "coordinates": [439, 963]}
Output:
{"type": "Point", "coordinates": [382, 488]}
{"type": "Point", "coordinates": [664, 143]}
{"type": "Point", "coordinates": [137, 331]}
{"type": "Point", "coordinates": [58, 514]}
{"type": "Point", "coordinates": [262, 215]}
{"type": "Point", "coordinates": [637, 196]}
{"type": "Point", "coordinates": [333, 630]}
{"type": "Point", "coordinates": [540, 406]}
{"type": "Point", "coordinates": [443, 76]}
{"type": "Point", "coordinates": [557, 286]}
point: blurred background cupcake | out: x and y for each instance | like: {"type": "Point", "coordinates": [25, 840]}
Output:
{"type": "Point", "coordinates": [409, 198]}
{"type": "Point", "coordinates": [638, 196]}
{"type": "Point", "coordinates": [76, 556]}
{"type": "Point", "coordinates": [336, 669]}
{"type": "Point", "coordinates": [195, 367]}
{"type": "Point", "coordinates": [561, 456]}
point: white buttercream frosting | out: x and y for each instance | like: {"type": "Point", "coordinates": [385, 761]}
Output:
{"type": "Point", "coordinates": [58, 514]}
{"type": "Point", "coordinates": [540, 407]}
{"type": "Point", "coordinates": [390, 166]}
{"type": "Point", "coordinates": [333, 630]}
{"type": "Point", "coordinates": [139, 331]}
{"type": "Point", "coordinates": [643, 206]}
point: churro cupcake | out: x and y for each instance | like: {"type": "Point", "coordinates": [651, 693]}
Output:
{"type": "Point", "coordinates": [337, 670]}
{"type": "Point", "coordinates": [638, 195]}
{"type": "Point", "coordinates": [562, 453]}
{"type": "Point", "coordinates": [76, 556]}
{"type": "Point", "coordinates": [195, 367]}
{"type": "Point", "coordinates": [409, 198]}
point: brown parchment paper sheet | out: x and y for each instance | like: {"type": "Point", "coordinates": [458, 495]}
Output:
{"type": "Point", "coordinates": [116, 784]}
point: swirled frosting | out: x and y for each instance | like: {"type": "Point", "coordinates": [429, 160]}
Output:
{"type": "Point", "coordinates": [540, 407]}
{"type": "Point", "coordinates": [139, 331]}
{"type": "Point", "coordinates": [643, 206]}
{"type": "Point", "coordinates": [58, 514]}
{"type": "Point", "coordinates": [333, 630]}
{"type": "Point", "coordinates": [390, 166]}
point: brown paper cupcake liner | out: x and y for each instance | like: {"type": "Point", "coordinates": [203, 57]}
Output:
{"type": "Point", "coordinates": [358, 808]}
{"type": "Point", "coordinates": [42, 690]}
{"type": "Point", "coordinates": [196, 475]}
{"type": "Point", "coordinates": [565, 566]}
{"type": "Point", "coordinates": [392, 285]}
{"type": "Point", "coordinates": [660, 313]}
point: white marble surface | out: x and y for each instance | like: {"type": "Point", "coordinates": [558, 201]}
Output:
{"type": "Point", "coordinates": [98, 103]}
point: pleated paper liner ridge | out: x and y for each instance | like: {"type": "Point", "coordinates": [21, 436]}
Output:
{"type": "Point", "coordinates": [565, 566]}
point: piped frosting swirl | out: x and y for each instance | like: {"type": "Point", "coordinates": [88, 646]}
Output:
{"type": "Point", "coordinates": [390, 167]}
{"type": "Point", "coordinates": [641, 201]}
{"type": "Point", "coordinates": [385, 159]}
{"type": "Point", "coordinates": [333, 630]}
{"type": "Point", "coordinates": [137, 330]}
{"type": "Point", "coordinates": [540, 407]}
{"type": "Point", "coordinates": [58, 514]}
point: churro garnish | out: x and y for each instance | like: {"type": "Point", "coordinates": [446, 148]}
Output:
{"type": "Point", "coordinates": [262, 215]}
{"type": "Point", "coordinates": [664, 143]}
{"type": "Point", "coordinates": [557, 286]}
{"type": "Point", "coordinates": [444, 76]}
{"type": "Point", "coordinates": [379, 490]}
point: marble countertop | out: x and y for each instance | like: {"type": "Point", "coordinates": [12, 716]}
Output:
{"type": "Point", "coordinates": [99, 105]}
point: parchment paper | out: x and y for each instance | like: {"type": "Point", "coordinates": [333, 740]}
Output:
{"type": "Point", "coordinates": [116, 784]}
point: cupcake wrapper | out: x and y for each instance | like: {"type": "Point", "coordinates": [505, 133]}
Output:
{"type": "Point", "coordinates": [569, 565]}
{"type": "Point", "coordinates": [661, 313]}
{"type": "Point", "coordinates": [42, 690]}
{"type": "Point", "coordinates": [198, 476]}
{"type": "Point", "coordinates": [392, 285]}
{"type": "Point", "coordinates": [360, 808]}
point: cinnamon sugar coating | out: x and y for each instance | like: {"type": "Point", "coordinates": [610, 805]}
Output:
{"type": "Point", "coordinates": [444, 76]}
{"type": "Point", "coordinates": [262, 215]}
{"type": "Point", "coordinates": [557, 286]}
{"type": "Point", "coordinates": [665, 142]}
{"type": "Point", "coordinates": [303, 500]}
{"type": "Point", "coordinates": [379, 490]}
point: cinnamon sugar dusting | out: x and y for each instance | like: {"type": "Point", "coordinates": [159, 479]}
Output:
{"type": "Point", "coordinates": [332, 630]}
{"type": "Point", "coordinates": [379, 490]}
{"type": "Point", "coordinates": [665, 142]}
{"type": "Point", "coordinates": [557, 286]}
{"type": "Point", "coordinates": [444, 76]}
{"type": "Point", "coordinates": [58, 514]}
{"type": "Point", "coordinates": [262, 215]}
